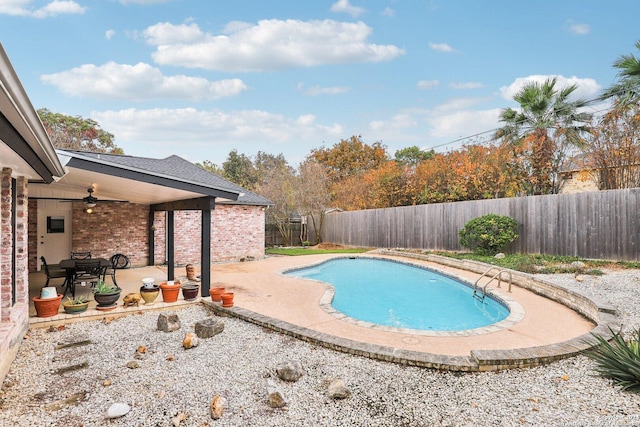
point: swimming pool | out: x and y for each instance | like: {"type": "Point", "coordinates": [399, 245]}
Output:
{"type": "Point", "coordinates": [399, 295]}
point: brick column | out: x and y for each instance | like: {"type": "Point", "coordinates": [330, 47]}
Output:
{"type": "Point", "coordinates": [6, 258]}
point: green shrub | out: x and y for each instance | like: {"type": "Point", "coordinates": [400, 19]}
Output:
{"type": "Point", "coordinates": [619, 360]}
{"type": "Point", "coordinates": [488, 234]}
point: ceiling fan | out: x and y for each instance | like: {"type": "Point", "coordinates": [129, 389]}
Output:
{"type": "Point", "coordinates": [90, 201]}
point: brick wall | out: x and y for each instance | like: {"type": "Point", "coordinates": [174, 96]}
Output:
{"type": "Point", "coordinates": [33, 235]}
{"type": "Point", "coordinates": [112, 227]}
{"type": "Point", "coordinates": [577, 182]}
{"type": "Point", "coordinates": [6, 247]}
{"type": "Point", "coordinates": [237, 232]}
{"type": "Point", "coordinates": [14, 318]}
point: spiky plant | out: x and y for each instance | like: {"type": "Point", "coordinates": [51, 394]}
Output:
{"type": "Point", "coordinates": [619, 360]}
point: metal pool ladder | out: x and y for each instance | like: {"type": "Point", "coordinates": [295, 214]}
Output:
{"type": "Point", "coordinates": [481, 292]}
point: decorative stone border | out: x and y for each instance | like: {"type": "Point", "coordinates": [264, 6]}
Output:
{"type": "Point", "coordinates": [603, 315]}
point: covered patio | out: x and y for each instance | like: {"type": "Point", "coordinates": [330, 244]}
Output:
{"type": "Point", "coordinates": [141, 207]}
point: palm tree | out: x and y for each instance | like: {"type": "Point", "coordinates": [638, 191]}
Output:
{"type": "Point", "coordinates": [627, 88]}
{"type": "Point", "coordinates": [546, 125]}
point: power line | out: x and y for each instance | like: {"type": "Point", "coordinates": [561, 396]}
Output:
{"type": "Point", "coordinates": [588, 104]}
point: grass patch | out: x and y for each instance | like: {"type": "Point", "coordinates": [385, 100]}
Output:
{"type": "Point", "coordinates": [297, 251]}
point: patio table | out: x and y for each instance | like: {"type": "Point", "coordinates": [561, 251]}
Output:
{"type": "Point", "coordinates": [70, 266]}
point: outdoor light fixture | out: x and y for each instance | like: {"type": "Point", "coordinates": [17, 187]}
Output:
{"type": "Point", "coordinates": [89, 210]}
{"type": "Point", "coordinates": [90, 201]}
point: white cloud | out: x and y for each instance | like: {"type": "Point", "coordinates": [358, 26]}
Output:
{"type": "Point", "coordinates": [462, 123]}
{"type": "Point", "coordinates": [468, 85]}
{"type": "Point", "coordinates": [444, 127]}
{"type": "Point", "coordinates": [211, 134]}
{"type": "Point", "coordinates": [139, 82]}
{"type": "Point", "coordinates": [579, 29]}
{"type": "Point", "coordinates": [53, 8]}
{"type": "Point", "coordinates": [344, 6]}
{"type": "Point", "coordinates": [428, 84]}
{"type": "Point", "coordinates": [398, 122]}
{"type": "Point", "coordinates": [269, 45]}
{"type": "Point", "coordinates": [587, 88]}
{"type": "Point", "coordinates": [317, 90]}
{"type": "Point", "coordinates": [109, 34]}
{"type": "Point", "coordinates": [388, 12]}
{"type": "Point", "coordinates": [458, 104]}
{"type": "Point", "coordinates": [168, 34]}
{"type": "Point", "coordinates": [441, 47]}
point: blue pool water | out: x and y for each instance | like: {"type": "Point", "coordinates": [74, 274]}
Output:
{"type": "Point", "coordinates": [403, 296]}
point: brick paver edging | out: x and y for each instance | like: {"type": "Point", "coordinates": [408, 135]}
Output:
{"type": "Point", "coordinates": [603, 315]}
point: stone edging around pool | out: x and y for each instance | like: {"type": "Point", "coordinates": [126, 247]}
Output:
{"type": "Point", "coordinates": [516, 312]}
{"type": "Point", "coordinates": [603, 315]}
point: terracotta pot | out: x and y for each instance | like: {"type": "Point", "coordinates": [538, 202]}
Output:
{"type": "Point", "coordinates": [149, 295]}
{"type": "Point", "coordinates": [170, 292]}
{"type": "Point", "coordinates": [191, 272]}
{"type": "Point", "coordinates": [215, 294]}
{"type": "Point", "coordinates": [227, 299]}
{"type": "Point", "coordinates": [47, 307]}
{"type": "Point", "coordinates": [71, 308]}
{"type": "Point", "coordinates": [190, 292]}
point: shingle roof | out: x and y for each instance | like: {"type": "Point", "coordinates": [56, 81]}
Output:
{"type": "Point", "coordinates": [178, 169]}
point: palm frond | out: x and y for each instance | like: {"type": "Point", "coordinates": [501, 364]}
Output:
{"type": "Point", "coordinates": [618, 360]}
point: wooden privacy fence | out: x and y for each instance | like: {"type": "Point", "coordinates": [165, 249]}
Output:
{"type": "Point", "coordinates": [273, 237]}
{"type": "Point", "coordinates": [595, 225]}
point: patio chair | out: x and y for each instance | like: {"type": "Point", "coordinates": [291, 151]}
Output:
{"type": "Point", "coordinates": [87, 272]}
{"type": "Point", "coordinates": [111, 270]}
{"type": "Point", "coordinates": [53, 271]}
{"type": "Point", "coordinates": [80, 255]}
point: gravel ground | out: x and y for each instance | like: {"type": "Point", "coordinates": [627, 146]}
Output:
{"type": "Point", "coordinates": [236, 364]}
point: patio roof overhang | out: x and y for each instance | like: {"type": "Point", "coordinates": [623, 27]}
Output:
{"type": "Point", "coordinates": [24, 144]}
{"type": "Point", "coordinates": [118, 183]}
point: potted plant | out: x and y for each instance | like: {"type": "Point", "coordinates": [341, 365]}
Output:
{"type": "Point", "coordinates": [106, 296]}
{"type": "Point", "coordinates": [47, 307]}
{"type": "Point", "coordinates": [75, 305]}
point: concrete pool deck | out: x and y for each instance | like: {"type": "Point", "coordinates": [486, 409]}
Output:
{"type": "Point", "coordinates": [547, 331]}
{"type": "Point", "coordinates": [544, 331]}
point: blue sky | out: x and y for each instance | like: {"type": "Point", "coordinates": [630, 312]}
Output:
{"type": "Point", "coordinates": [199, 78]}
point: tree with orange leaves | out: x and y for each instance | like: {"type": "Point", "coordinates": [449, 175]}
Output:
{"type": "Point", "coordinates": [350, 157]}
{"type": "Point", "coordinates": [613, 151]}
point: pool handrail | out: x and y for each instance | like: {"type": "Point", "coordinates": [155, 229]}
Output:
{"type": "Point", "coordinates": [498, 275]}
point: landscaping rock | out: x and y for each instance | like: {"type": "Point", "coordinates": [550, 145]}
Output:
{"type": "Point", "coordinates": [499, 256]}
{"type": "Point", "coordinates": [141, 353]}
{"type": "Point", "coordinates": [133, 365]}
{"type": "Point", "coordinates": [190, 340]}
{"type": "Point", "coordinates": [290, 371]}
{"type": "Point", "coordinates": [209, 327]}
{"type": "Point", "coordinates": [217, 406]}
{"type": "Point", "coordinates": [178, 419]}
{"type": "Point", "coordinates": [275, 395]}
{"type": "Point", "coordinates": [168, 322]}
{"type": "Point", "coordinates": [117, 410]}
{"type": "Point", "coordinates": [337, 390]}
